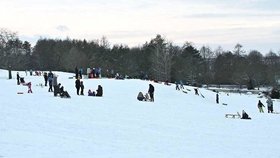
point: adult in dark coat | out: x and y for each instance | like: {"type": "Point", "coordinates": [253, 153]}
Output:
{"type": "Point", "coordinates": [78, 85]}
{"type": "Point", "coordinates": [217, 98]}
{"type": "Point", "coordinates": [99, 91]}
{"type": "Point", "coordinates": [82, 88]}
{"type": "Point", "coordinates": [76, 72]}
{"type": "Point", "coordinates": [151, 91]}
{"type": "Point", "coordinates": [46, 78]}
{"type": "Point", "coordinates": [18, 77]}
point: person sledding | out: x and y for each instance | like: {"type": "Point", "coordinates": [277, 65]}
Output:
{"type": "Point", "coordinates": [140, 96]}
{"type": "Point", "coordinates": [29, 87]}
{"type": "Point", "coordinates": [245, 115]}
{"type": "Point", "coordinates": [99, 91]}
{"type": "Point", "coordinates": [63, 93]}
{"type": "Point", "coordinates": [91, 93]}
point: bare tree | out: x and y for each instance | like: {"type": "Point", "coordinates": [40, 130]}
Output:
{"type": "Point", "coordinates": [161, 58]}
{"type": "Point", "coordinates": [208, 57]}
{"type": "Point", "coordinates": [238, 50]}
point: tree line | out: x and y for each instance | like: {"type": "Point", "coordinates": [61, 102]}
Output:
{"type": "Point", "coordinates": [159, 59]}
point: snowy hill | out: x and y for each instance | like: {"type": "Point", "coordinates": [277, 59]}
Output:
{"type": "Point", "coordinates": [117, 125]}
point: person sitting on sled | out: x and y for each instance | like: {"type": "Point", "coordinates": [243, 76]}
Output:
{"type": "Point", "coordinates": [245, 115]}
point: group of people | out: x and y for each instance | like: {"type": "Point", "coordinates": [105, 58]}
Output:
{"type": "Point", "coordinates": [94, 72]}
{"type": "Point", "coordinates": [80, 89]}
{"type": "Point", "coordinates": [260, 107]}
{"type": "Point", "coordinates": [269, 105]}
{"type": "Point", "coordinates": [148, 96]}
{"type": "Point", "coordinates": [99, 92]}
{"type": "Point", "coordinates": [79, 86]}
{"type": "Point", "coordinates": [50, 79]}
{"type": "Point", "coordinates": [59, 90]}
{"type": "Point", "coordinates": [179, 83]}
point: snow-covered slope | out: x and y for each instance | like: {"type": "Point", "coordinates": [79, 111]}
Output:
{"type": "Point", "coordinates": [117, 125]}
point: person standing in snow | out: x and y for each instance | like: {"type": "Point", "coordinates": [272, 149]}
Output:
{"type": "Point", "coordinates": [196, 91]}
{"type": "Point", "coordinates": [54, 80]}
{"type": "Point", "coordinates": [217, 98]}
{"type": "Point", "coordinates": [29, 87]}
{"type": "Point", "coordinates": [46, 78]}
{"type": "Point", "coordinates": [260, 106]}
{"type": "Point", "coordinates": [50, 83]}
{"type": "Point", "coordinates": [269, 104]}
{"type": "Point", "coordinates": [81, 73]}
{"type": "Point", "coordinates": [50, 79]}
{"type": "Point", "coordinates": [76, 72]}
{"type": "Point", "coordinates": [78, 85]}
{"type": "Point", "coordinates": [177, 85]}
{"type": "Point", "coordinates": [82, 88]}
{"type": "Point", "coordinates": [151, 92]}
{"type": "Point", "coordinates": [18, 77]}
{"type": "Point", "coordinates": [181, 84]}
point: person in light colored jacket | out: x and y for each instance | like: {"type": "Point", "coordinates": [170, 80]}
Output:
{"type": "Point", "coordinates": [269, 104]}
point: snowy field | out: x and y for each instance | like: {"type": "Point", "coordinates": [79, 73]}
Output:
{"type": "Point", "coordinates": [117, 125]}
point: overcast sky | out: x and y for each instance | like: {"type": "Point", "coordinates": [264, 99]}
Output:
{"type": "Point", "coordinates": [253, 23]}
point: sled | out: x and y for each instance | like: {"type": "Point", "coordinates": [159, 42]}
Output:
{"type": "Point", "coordinates": [19, 92]}
{"type": "Point", "coordinates": [276, 113]}
{"type": "Point", "coordinates": [185, 92]}
{"type": "Point", "coordinates": [233, 116]}
{"type": "Point", "coordinates": [224, 104]}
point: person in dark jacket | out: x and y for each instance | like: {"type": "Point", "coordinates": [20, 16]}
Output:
{"type": "Point", "coordinates": [82, 88]}
{"type": "Point", "coordinates": [177, 85]}
{"type": "Point", "coordinates": [76, 72]}
{"type": "Point", "coordinates": [78, 85]}
{"type": "Point", "coordinates": [245, 115]}
{"type": "Point", "coordinates": [196, 91]}
{"type": "Point", "coordinates": [217, 98]}
{"type": "Point", "coordinates": [63, 93]}
{"type": "Point", "coordinates": [56, 89]}
{"type": "Point", "coordinates": [99, 91]}
{"type": "Point", "coordinates": [260, 106]}
{"type": "Point", "coordinates": [46, 78]}
{"type": "Point", "coordinates": [140, 96]}
{"type": "Point", "coordinates": [151, 92]}
{"type": "Point", "coordinates": [18, 77]}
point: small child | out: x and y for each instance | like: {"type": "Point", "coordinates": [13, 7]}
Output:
{"type": "Point", "coordinates": [90, 93]}
{"type": "Point", "coordinates": [29, 87]}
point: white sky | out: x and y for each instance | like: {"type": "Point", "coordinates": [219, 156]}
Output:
{"type": "Point", "coordinates": [253, 23]}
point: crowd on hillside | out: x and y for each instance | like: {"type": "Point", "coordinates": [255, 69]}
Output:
{"type": "Point", "coordinates": [51, 80]}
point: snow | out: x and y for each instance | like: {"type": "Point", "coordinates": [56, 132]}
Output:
{"type": "Point", "coordinates": [117, 125]}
